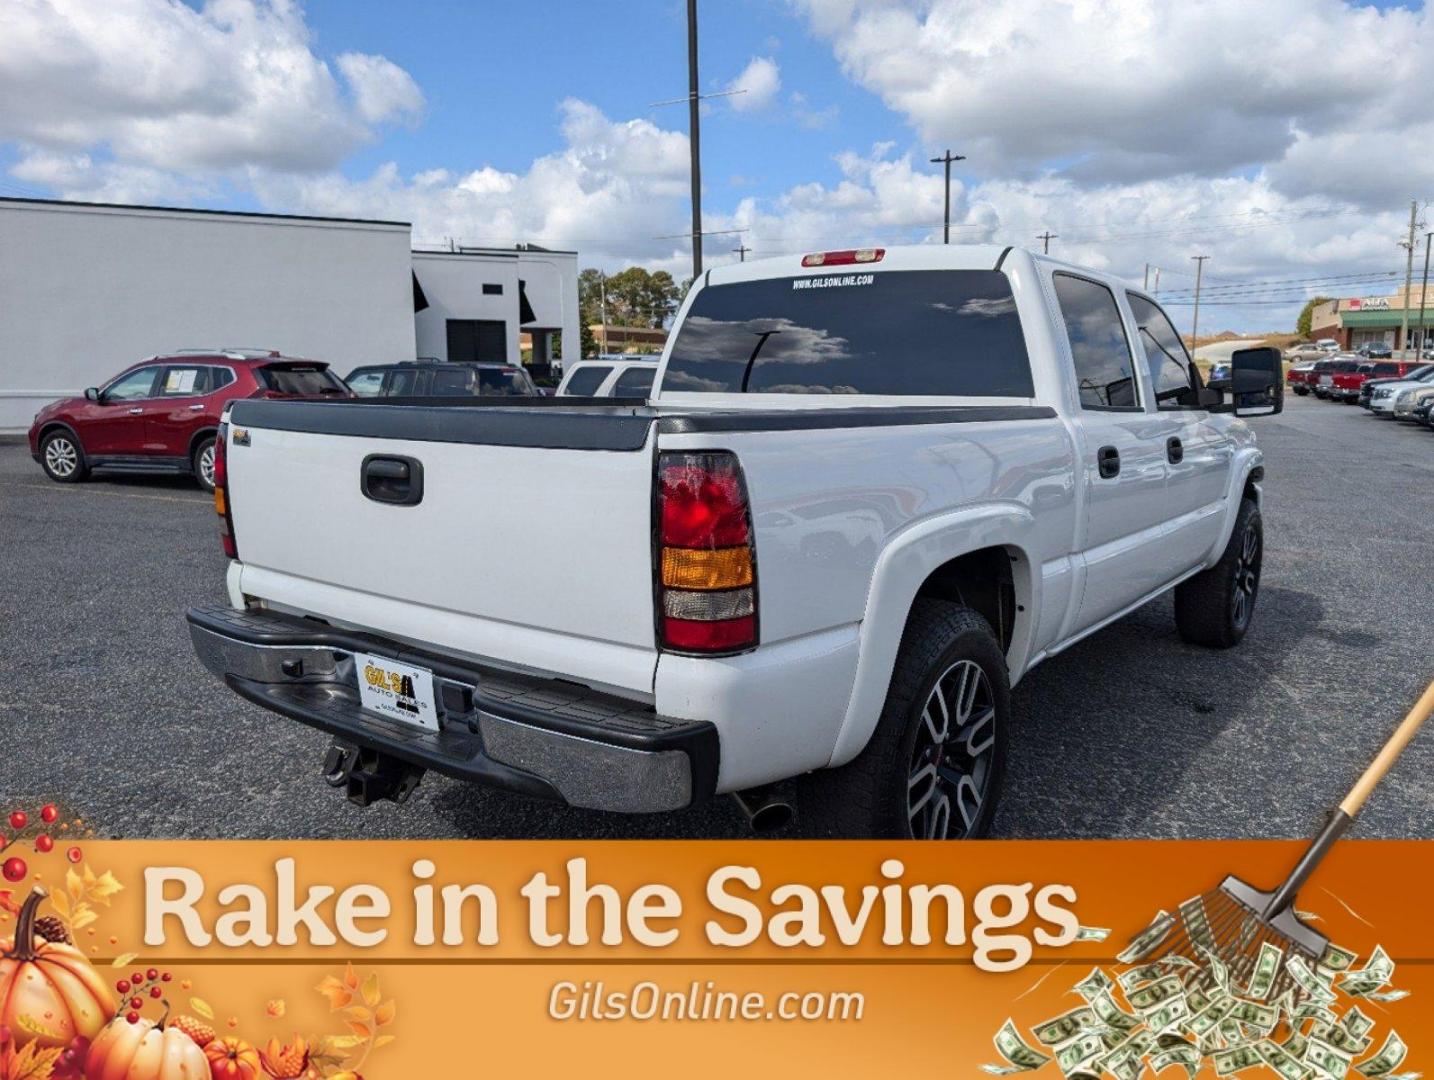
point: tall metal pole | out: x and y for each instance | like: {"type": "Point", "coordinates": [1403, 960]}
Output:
{"type": "Point", "coordinates": [694, 138]}
{"type": "Point", "coordinates": [947, 158]}
{"type": "Point", "coordinates": [1046, 238]}
{"type": "Point", "coordinates": [1424, 288]}
{"type": "Point", "coordinates": [1195, 319]}
{"type": "Point", "coordinates": [1408, 273]}
{"type": "Point", "coordinates": [602, 306]}
{"type": "Point", "coordinates": [741, 250]}
{"type": "Point", "coordinates": [1146, 283]}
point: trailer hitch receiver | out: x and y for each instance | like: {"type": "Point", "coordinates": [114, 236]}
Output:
{"type": "Point", "coordinates": [367, 776]}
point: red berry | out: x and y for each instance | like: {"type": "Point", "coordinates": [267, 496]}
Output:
{"type": "Point", "coordinates": [49, 812]}
{"type": "Point", "coordinates": [165, 977]}
{"type": "Point", "coordinates": [155, 991]}
{"type": "Point", "coordinates": [152, 974]}
{"type": "Point", "coordinates": [14, 869]}
{"type": "Point", "coordinates": [122, 986]}
{"type": "Point", "coordinates": [43, 843]}
{"type": "Point", "coordinates": [19, 819]}
{"type": "Point", "coordinates": [136, 1003]}
{"type": "Point", "coordinates": [132, 1017]}
{"type": "Point", "coordinates": [74, 854]}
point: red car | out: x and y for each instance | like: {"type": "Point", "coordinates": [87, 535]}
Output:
{"type": "Point", "coordinates": [161, 415]}
{"type": "Point", "coordinates": [1346, 384]}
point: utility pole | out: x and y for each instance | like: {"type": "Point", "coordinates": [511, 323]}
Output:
{"type": "Point", "coordinates": [602, 306]}
{"type": "Point", "coordinates": [1146, 283]}
{"type": "Point", "coordinates": [1408, 271]}
{"type": "Point", "coordinates": [948, 158]}
{"type": "Point", "coordinates": [694, 142]}
{"type": "Point", "coordinates": [1195, 319]}
{"type": "Point", "coordinates": [741, 250]}
{"type": "Point", "coordinates": [1046, 237]}
{"type": "Point", "coordinates": [1424, 289]}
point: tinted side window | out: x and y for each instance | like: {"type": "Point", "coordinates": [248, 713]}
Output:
{"type": "Point", "coordinates": [366, 383]}
{"type": "Point", "coordinates": [137, 384]}
{"type": "Point", "coordinates": [1165, 353]}
{"type": "Point", "coordinates": [455, 383]}
{"type": "Point", "coordinates": [1103, 366]}
{"type": "Point", "coordinates": [927, 333]}
{"type": "Point", "coordinates": [634, 382]}
{"type": "Point", "coordinates": [585, 381]}
{"type": "Point", "coordinates": [219, 378]}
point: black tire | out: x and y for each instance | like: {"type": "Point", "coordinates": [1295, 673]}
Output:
{"type": "Point", "coordinates": [1300, 391]}
{"type": "Point", "coordinates": [204, 473]}
{"type": "Point", "coordinates": [868, 798]}
{"type": "Point", "coordinates": [63, 458]}
{"type": "Point", "coordinates": [1216, 606]}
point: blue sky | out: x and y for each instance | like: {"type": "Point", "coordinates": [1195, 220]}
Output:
{"type": "Point", "coordinates": [1284, 139]}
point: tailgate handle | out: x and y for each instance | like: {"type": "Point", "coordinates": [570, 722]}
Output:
{"type": "Point", "coordinates": [397, 481]}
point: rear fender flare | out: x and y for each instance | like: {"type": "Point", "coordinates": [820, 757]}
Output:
{"type": "Point", "coordinates": [199, 436]}
{"type": "Point", "coordinates": [901, 569]}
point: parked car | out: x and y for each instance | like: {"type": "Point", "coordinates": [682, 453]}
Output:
{"type": "Point", "coordinates": [1408, 399]}
{"type": "Point", "coordinates": [614, 376]}
{"type": "Point", "coordinates": [440, 378]}
{"type": "Point", "coordinates": [1304, 351]}
{"type": "Point", "coordinates": [1346, 385]}
{"type": "Point", "coordinates": [1326, 370]}
{"type": "Point", "coordinates": [1329, 345]}
{"type": "Point", "coordinates": [1219, 375]}
{"type": "Point", "coordinates": [1375, 350]}
{"type": "Point", "coordinates": [1370, 385]}
{"type": "Point", "coordinates": [161, 415]}
{"type": "Point", "coordinates": [1422, 411]}
{"type": "Point", "coordinates": [785, 571]}
{"type": "Point", "coordinates": [1297, 379]}
{"type": "Point", "coordinates": [1382, 400]}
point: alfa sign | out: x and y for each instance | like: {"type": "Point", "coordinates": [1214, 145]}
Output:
{"type": "Point", "coordinates": [1369, 303]}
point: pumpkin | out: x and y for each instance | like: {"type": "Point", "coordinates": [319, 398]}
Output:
{"type": "Point", "coordinates": [49, 991]}
{"type": "Point", "coordinates": [144, 1050]}
{"type": "Point", "coordinates": [232, 1059]}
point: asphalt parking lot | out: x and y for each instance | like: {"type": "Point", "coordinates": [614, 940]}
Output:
{"type": "Point", "coordinates": [1129, 734]}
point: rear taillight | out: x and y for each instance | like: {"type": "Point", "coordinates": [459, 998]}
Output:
{"type": "Point", "coordinates": [849, 257]}
{"type": "Point", "coordinates": [221, 492]}
{"type": "Point", "coordinates": [706, 566]}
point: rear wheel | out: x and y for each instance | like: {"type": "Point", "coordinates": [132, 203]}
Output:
{"type": "Point", "coordinates": [1215, 606]}
{"type": "Point", "coordinates": [933, 767]}
{"type": "Point", "coordinates": [203, 463]}
{"type": "Point", "coordinates": [62, 458]}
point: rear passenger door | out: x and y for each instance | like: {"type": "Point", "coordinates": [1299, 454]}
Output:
{"type": "Point", "coordinates": [178, 409]}
{"type": "Point", "coordinates": [1122, 455]}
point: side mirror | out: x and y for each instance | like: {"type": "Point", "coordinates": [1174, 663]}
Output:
{"type": "Point", "coordinates": [1257, 382]}
{"type": "Point", "coordinates": [92, 394]}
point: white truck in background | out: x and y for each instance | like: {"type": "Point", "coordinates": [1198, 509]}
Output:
{"type": "Point", "coordinates": [870, 490]}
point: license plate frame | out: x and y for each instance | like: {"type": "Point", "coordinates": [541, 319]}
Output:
{"type": "Point", "coordinates": [398, 691]}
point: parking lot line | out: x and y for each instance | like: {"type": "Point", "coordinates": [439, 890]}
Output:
{"type": "Point", "coordinates": [112, 494]}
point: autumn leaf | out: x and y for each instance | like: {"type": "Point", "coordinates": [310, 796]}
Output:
{"type": "Point", "coordinates": [371, 993]}
{"type": "Point", "coordinates": [33, 1063]}
{"type": "Point", "coordinates": [363, 1031]}
{"type": "Point", "coordinates": [61, 903]}
{"type": "Point", "coordinates": [359, 1013]}
{"type": "Point", "coordinates": [202, 1007]}
{"type": "Point", "coordinates": [351, 979]}
{"type": "Point", "coordinates": [383, 1040]}
{"type": "Point", "coordinates": [84, 915]}
{"type": "Point", "coordinates": [384, 1014]}
{"type": "Point", "coordinates": [276, 1008]}
{"type": "Point", "coordinates": [103, 888]}
{"type": "Point", "coordinates": [336, 1044]}
{"type": "Point", "coordinates": [123, 960]}
{"type": "Point", "coordinates": [74, 885]}
{"type": "Point", "coordinates": [337, 993]}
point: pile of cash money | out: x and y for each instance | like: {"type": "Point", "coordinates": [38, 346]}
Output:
{"type": "Point", "coordinates": [1193, 1012]}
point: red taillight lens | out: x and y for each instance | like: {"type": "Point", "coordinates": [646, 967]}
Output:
{"type": "Point", "coordinates": [221, 492]}
{"type": "Point", "coordinates": [706, 572]}
{"type": "Point", "coordinates": [848, 257]}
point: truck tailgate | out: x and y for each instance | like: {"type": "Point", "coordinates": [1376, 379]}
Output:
{"type": "Point", "coordinates": [529, 547]}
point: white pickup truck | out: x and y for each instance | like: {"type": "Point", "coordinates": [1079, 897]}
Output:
{"type": "Point", "coordinates": [869, 491]}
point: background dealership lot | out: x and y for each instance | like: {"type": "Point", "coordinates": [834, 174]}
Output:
{"type": "Point", "coordinates": [1131, 733]}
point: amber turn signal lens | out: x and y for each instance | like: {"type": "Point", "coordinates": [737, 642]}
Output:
{"type": "Point", "coordinates": [724, 568]}
{"type": "Point", "coordinates": [219, 502]}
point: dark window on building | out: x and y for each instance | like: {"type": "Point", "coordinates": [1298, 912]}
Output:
{"type": "Point", "coordinates": [634, 382]}
{"type": "Point", "coordinates": [924, 333]}
{"type": "Point", "coordinates": [586, 380]}
{"type": "Point", "coordinates": [1165, 353]}
{"type": "Point", "coordinates": [492, 288]}
{"type": "Point", "coordinates": [477, 340]}
{"type": "Point", "coordinates": [1103, 366]}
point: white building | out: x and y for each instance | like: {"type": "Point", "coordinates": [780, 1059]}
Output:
{"type": "Point", "coordinates": [87, 289]}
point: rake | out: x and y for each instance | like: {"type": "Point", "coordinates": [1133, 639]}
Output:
{"type": "Point", "coordinates": [1234, 921]}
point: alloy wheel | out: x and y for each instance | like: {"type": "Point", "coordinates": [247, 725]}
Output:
{"type": "Point", "coordinates": [61, 457]}
{"type": "Point", "coordinates": [206, 465]}
{"type": "Point", "coordinates": [1247, 577]}
{"type": "Point", "coordinates": [954, 756]}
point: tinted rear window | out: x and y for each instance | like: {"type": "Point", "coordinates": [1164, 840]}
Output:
{"type": "Point", "coordinates": [1345, 366]}
{"type": "Point", "coordinates": [634, 382]}
{"type": "Point", "coordinates": [585, 381]}
{"type": "Point", "coordinates": [504, 383]}
{"type": "Point", "coordinates": [301, 380]}
{"type": "Point", "coordinates": [912, 332]}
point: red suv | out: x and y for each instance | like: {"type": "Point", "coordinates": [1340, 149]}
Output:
{"type": "Point", "coordinates": [161, 415]}
{"type": "Point", "coordinates": [1346, 384]}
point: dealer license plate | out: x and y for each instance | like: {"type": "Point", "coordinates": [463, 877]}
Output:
{"type": "Point", "coordinates": [397, 691]}
{"type": "Point", "coordinates": [1326, 380]}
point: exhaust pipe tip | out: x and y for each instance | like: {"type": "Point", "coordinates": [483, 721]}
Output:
{"type": "Point", "coordinates": [767, 809]}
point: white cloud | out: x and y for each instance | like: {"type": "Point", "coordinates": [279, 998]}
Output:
{"type": "Point", "coordinates": [236, 83]}
{"type": "Point", "coordinates": [759, 82]}
{"type": "Point", "coordinates": [382, 90]}
{"type": "Point", "coordinates": [1122, 90]}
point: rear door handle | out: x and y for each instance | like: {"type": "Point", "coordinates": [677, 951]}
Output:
{"type": "Point", "coordinates": [196, 408]}
{"type": "Point", "coordinates": [135, 411]}
{"type": "Point", "coordinates": [1107, 460]}
{"type": "Point", "coordinates": [1174, 450]}
{"type": "Point", "coordinates": [397, 481]}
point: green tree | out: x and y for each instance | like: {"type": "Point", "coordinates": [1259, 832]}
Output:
{"type": "Point", "coordinates": [1302, 324]}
